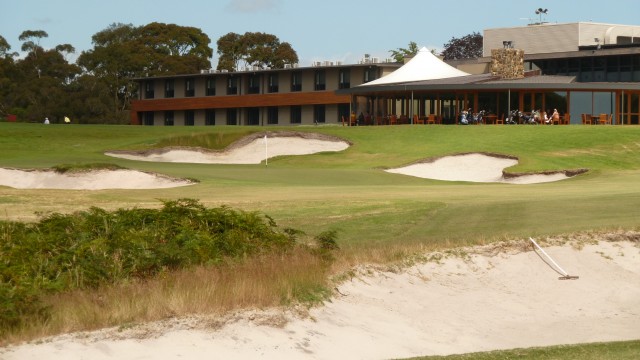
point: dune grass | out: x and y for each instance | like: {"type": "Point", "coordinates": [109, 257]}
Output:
{"type": "Point", "coordinates": [377, 216]}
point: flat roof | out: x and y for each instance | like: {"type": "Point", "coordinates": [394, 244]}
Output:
{"type": "Point", "coordinates": [493, 83]}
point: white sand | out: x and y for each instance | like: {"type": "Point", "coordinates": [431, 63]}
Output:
{"type": "Point", "coordinates": [252, 153]}
{"type": "Point", "coordinates": [479, 303]}
{"type": "Point", "coordinates": [473, 168]}
{"type": "Point", "coordinates": [90, 180]}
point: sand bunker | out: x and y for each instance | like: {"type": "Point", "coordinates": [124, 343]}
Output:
{"type": "Point", "coordinates": [476, 168]}
{"type": "Point", "coordinates": [90, 180]}
{"type": "Point", "coordinates": [250, 150]}
{"type": "Point", "coordinates": [494, 297]}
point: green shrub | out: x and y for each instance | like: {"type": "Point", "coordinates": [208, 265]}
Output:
{"type": "Point", "coordinates": [95, 247]}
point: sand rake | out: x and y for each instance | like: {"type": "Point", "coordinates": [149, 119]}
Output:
{"type": "Point", "coordinates": [565, 275]}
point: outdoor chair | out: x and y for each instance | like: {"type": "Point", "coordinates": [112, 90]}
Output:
{"type": "Point", "coordinates": [586, 119]}
{"type": "Point", "coordinates": [417, 120]}
{"type": "Point", "coordinates": [431, 119]}
{"type": "Point", "coordinates": [566, 119]}
{"type": "Point", "coordinates": [602, 119]}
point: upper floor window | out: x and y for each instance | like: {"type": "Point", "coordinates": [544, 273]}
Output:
{"type": "Point", "coordinates": [254, 84]}
{"type": "Point", "coordinates": [296, 81]}
{"type": "Point", "coordinates": [168, 88]}
{"type": "Point", "coordinates": [149, 90]}
{"type": "Point", "coordinates": [232, 85]}
{"type": "Point", "coordinates": [344, 79]}
{"type": "Point", "coordinates": [319, 80]}
{"type": "Point", "coordinates": [189, 90]}
{"type": "Point", "coordinates": [369, 75]}
{"type": "Point", "coordinates": [210, 89]}
{"type": "Point", "coordinates": [273, 82]}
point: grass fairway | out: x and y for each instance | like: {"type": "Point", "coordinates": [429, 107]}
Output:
{"type": "Point", "coordinates": [378, 216]}
{"type": "Point", "coordinates": [349, 191]}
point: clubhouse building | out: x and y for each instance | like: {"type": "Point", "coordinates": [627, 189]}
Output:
{"type": "Point", "coordinates": [587, 71]}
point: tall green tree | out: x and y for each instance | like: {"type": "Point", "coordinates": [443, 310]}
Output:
{"type": "Point", "coordinates": [399, 54]}
{"type": "Point", "coordinates": [173, 49]}
{"type": "Point", "coordinates": [466, 47]}
{"type": "Point", "coordinates": [31, 41]}
{"type": "Point", "coordinates": [115, 59]}
{"type": "Point", "coordinates": [123, 52]}
{"type": "Point", "coordinates": [254, 49]}
{"type": "Point", "coordinates": [36, 86]}
{"type": "Point", "coordinates": [7, 68]}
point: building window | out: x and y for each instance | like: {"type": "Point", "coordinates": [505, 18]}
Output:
{"type": "Point", "coordinates": [210, 89]}
{"type": "Point", "coordinates": [232, 117]}
{"type": "Point", "coordinates": [232, 85]}
{"type": "Point", "coordinates": [272, 115]}
{"type": "Point", "coordinates": [344, 79]}
{"type": "Point", "coordinates": [168, 118]}
{"type": "Point", "coordinates": [273, 83]}
{"type": "Point", "coordinates": [149, 90]}
{"type": "Point", "coordinates": [318, 114]}
{"type": "Point", "coordinates": [189, 90]}
{"type": "Point", "coordinates": [296, 114]}
{"type": "Point", "coordinates": [147, 118]}
{"type": "Point", "coordinates": [189, 117]}
{"type": "Point", "coordinates": [343, 112]}
{"type": "Point", "coordinates": [253, 116]}
{"type": "Point", "coordinates": [254, 84]}
{"type": "Point", "coordinates": [319, 80]}
{"type": "Point", "coordinates": [296, 81]}
{"type": "Point", "coordinates": [168, 88]}
{"type": "Point", "coordinates": [210, 117]}
{"type": "Point", "coordinates": [369, 75]}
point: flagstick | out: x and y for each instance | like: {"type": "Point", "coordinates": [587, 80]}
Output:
{"type": "Point", "coordinates": [266, 152]}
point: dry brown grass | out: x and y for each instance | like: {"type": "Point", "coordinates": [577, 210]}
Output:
{"type": "Point", "coordinates": [263, 282]}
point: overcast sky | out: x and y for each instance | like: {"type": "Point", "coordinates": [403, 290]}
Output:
{"type": "Point", "coordinates": [334, 30]}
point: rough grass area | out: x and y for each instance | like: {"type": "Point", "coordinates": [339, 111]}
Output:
{"type": "Point", "coordinates": [623, 350]}
{"type": "Point", "coordinates": [94, 249]}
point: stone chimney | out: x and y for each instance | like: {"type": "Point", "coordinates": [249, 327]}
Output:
{"type": "Point", "coordinates": [507, 63]}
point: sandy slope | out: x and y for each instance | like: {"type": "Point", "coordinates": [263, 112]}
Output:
{"type": "Point", "coordinates": [90, 180]}
{"type": "Point", "coordinates": [251, 152]}
{"type": "Point", "coordinates": [486, 300]}
{"type": "Point", "coordinates": [475, 168]}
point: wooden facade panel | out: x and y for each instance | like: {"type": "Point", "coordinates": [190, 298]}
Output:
{"type": "Point", "coordinates": [240, 101]}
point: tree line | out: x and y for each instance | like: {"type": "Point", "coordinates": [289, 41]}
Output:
{"type": "Point", "coordinates": [99, 85]}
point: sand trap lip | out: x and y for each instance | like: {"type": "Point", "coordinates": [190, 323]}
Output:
{"type": "Point", "coordinates": [89, 180]}
{"type": "Point", "coordinates": [249, 150]}
{"type": "Point", "coordinates": [478, 167]}
{"type": "Point", "coordinates": [500, 296]}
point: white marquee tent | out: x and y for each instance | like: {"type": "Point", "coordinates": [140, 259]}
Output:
{"type": "Point", "coordinates": [423, 66]}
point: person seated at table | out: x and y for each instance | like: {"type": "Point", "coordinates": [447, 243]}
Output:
{"type": "Point", "coordinates": [555, 116]}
